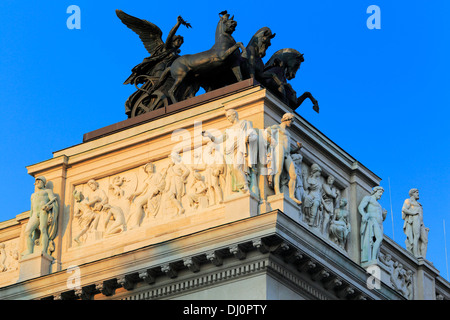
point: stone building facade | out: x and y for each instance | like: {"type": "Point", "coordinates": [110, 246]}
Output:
{"type": "Point", "coordinates": [149, 203]}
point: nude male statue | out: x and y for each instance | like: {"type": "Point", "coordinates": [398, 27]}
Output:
{"type": "Point", "coordinates": [282, 155]}
{"type": "Point", "coordinates": [415, 231]}
{"type": "Point", "coordinates": [43, 216]}
{"type": "Point", "coordinates": [373, 216]}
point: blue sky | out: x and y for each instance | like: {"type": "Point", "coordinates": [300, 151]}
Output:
{"type": "Point", "coordinates": [384, 94]}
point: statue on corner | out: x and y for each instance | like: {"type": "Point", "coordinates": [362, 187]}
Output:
{"type": "Point", "coordinates": [282, 155]}
{"type": "Point", "coordinates": [415, 231]}
{"type": "Point", "coordinates": [372, 215]}
{"type": "Point", "coordinates": [43, 224]}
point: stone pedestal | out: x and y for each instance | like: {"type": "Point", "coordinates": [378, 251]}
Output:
{"type": "Point", "coordinates": [377, 272]}
{"type": "Point", "coordinates": [283, 203]}
{"type": "Point", "coordinates": [35, 265]}
{"type": "Point", "coordinates": [241, 206]}
{"type": "Point", "coordinates": [426, 275]}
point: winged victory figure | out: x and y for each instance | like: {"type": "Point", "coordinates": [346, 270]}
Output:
{"type": "Point", "coordinates": [148, 72]}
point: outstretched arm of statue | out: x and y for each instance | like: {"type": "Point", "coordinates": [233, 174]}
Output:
{"type": "Point", "coordinates": [183, 22]}
{"type": "Point", "coordinates": [172, 32]}
{"type": "Point", "coordinates": [213, 138]}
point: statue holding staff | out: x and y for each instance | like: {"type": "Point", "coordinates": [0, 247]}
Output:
{"type": "Point", "coordinates": [43, 218]}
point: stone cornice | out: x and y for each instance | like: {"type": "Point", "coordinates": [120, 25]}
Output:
{"type": "Point", "coordinates": [222, 259]}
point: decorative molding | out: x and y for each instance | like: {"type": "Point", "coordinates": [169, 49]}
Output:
{"type": "Point", "coordinates": [201, 281]}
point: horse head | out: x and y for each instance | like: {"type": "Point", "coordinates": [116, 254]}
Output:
{"type": "Point", "coordinates": [261, 40]}
{"type": "Point", "coordinates": [226, 24]}
{"type": "Point", "coordinates": [287, 59]}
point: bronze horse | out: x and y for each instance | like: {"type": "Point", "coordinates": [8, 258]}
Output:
{"type": "Point", "coordinates": [224, 53]}
{"type": "Point", "coordinates": [256, 50]}
{"type": "Point", "coordinates": [283, 66]}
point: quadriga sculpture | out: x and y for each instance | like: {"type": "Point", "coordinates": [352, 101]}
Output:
{"type": "Point", "coordinates": [167, 77]}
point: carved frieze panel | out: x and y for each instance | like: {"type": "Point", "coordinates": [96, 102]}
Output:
{"type": "Point", "coordinates": [154, 193]}
{"type": "Point", "coordinates": [400, 278]}
{"type": "Point", "coordinates": [9, 256]}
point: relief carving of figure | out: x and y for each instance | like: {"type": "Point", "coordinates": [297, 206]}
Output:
{"type": "Point", "coordinates": [116, 186]}
{"type": "Point", "coordinates": [9, 257]}
{"type": "Point", "coordinates": [177, 174]}
{"type": "Point", "coordinates": [197, 189]}
{"type": "Point", "coordinates": [281, 156]}
{"type": "Point", "coordinates": [3, 256]}
{"type": "Point", "coordinates": [313, 196]}
{"type": "Point", "coordinates": [42, 225]}
{"type": "Point", "coordinates": [297, 158]}
{"type": "Point", "coordinates": [400, 278]}
{"type": "Point", "coordinates": [371, 230]}
{"type": "Point", "coordinates": [340, 225]}
{"type": "Point", "coordinates": [241, 152]}
{"type": "Point", "coordinates": [409, 284]}
{"type": "Point", "coordinates": [147, 197]}
{"type": "Point", "coordinates": [330, 195]}
{"type": "Point", "coordinates": [214, 168]}
{"type": "Point", "coordinates": [116, 214]}
{"type": "Point", "coordinates": [415, 231]}
{"type": "Point", "coordinates": [89, 208]}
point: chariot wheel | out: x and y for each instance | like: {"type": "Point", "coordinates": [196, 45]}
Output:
{"type": "Point", "coordinates": [148, 99]}
{"type": "Point", "coordinates": [147, 103]}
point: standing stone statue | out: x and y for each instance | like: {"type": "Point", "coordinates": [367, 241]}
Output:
{"type": "Point", "coordinates": [415, 231]}
{"type": "Point", "coordinates": [241, 152]}
{"type": "Point", "coordinates": [43, 218]}
{"type": "Point", "coordinates": [313, 196]}
{"type": "Point", "coordinates": [282, 155]}
{"type": "Point", "coordinates": [371, 231]}
{"type": "Point", "coordinates": [330, 195]}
